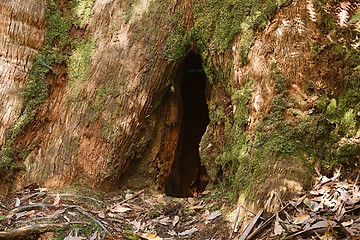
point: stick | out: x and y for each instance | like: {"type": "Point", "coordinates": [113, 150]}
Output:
{"type": "Point", "coordinates": [92, 218]}
{"type": "Point", "coordinates": [43, 205]}
{"type": "Point", "coordinates": [347, 234]}
{"type": "Point", "coordinates": [251, 225]}
{"type": "Point", "coordinates": [32, 195]}
{"type": "Point", "coordinates": [3, 206]}
{"type": "Point", "coordinates": [134, 196]}
{"type": "Point", "coordinates": [306, 231]}
{"type": "Point", "coordinates": [248, 210]}
{"type": "Point", "coordinates": [235, 222]}
{"type": "Point", "coordinates": [266, 223]}
{"type": "Point", "coordinates": [77, 196]}
{"type": "Point", "coordinates": [29, 230]}
{"type": "Point", "coordinates": [33, 207]}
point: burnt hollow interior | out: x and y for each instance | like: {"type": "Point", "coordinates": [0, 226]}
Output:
{"type": "Point", "coordinates": [187, 174]}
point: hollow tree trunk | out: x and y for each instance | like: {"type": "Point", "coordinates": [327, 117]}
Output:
{"type": "Point", "coordinates": [105, 101]}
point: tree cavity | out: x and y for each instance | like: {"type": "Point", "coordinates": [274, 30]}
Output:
{"type": "Point", "coordinates": [188, 176]}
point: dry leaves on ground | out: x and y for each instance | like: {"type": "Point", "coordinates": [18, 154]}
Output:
{"type": "Point", "coordinates": [331, 210]}
{"type": "Point", "coordinates": [128, 215]}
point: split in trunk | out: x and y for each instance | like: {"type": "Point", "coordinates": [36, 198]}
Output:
{"type": "Point", "coordinates": [187, 174]}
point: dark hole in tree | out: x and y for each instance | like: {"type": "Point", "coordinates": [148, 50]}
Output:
{"type": "Point", "coordinates": [187, 174]}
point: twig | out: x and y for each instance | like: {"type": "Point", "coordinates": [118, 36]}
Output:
{"type": "Point", "coordinates": [33, 207]}
{"type": "Point", "coordinates": [3, 206]}
{"type": "Point", "coordinates": [353, 209]}
{"type": "Point", "coordinates": [235, 222]}
{"type": "Point", "coordinates": [251, 225]}
{"type": "Point", "coordinates": [77, 196]}
{"type": "Point", "coordinates": [266, 223]}
{"type": "Point", "coordinates": [248, 210]}
{"type": "Point", "coordinates": [134, 196]}
{"type": "Point", "coordinates": [43, 205]}
{"type": "Point", "coordinates": [347, 234]}
{"type": "Point", "coordinates": [306, 231]}
{"type": "Point", "coordinates": [32, 195]}
{"type": "Point", "coordinates": [333, 230]}
{"type": "Point", "coordinates": [79, 209]}
{"type": "Point", "coordinates": [29, 230]}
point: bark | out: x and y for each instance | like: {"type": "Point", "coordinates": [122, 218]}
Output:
{"type": "Point", "coordinates": [113, 115]}
{"type": "Point", "coordinates": [22, 28]}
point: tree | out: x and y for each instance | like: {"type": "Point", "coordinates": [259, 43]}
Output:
{"type": "Point", "coordinates": [104, 102]}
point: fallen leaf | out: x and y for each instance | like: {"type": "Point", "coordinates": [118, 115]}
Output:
{"type": "Point", "coordinates": [176, 220]}
{"type": "Point", "coordinates": [197, 207]}
{"type": "Point", "coordinates": [278, 229]}
{"type": "Point", "coordinates": [188, 232]}
{"type": "Point", "coordinates": [206, 192]}
{"type": "Point", "coordinates": [94, 236]}
{"type": "Point", "coordinates": [17, 202]}
{"type": "Point", "coordinates": [164, 221]}
{"type": "Point", "coordinates": [321, 224]}
{"type": "Point", "coordinates": [67, 219]}
{"type": "Point", "coordinates": [301, 218]}
{"type": "Point", "coordinates": [150, 236]}
{"type": "Point", "coordinates": [214, 215]}
{"type": "Point", "coordinates": [160, 199]}
{"type": "Point", "coordinates": [136, 224]}
{"type": "Point", "coordinates": [101, 214]}
{"type": "Point", "coordinates": [192, 201]}
{"type": "Point", "coordinates": [72, 213]}
{"type": "Point", "coordinates": [348, 223]}
{"type": "Point", "coordinates": [74, 238]}
{"type": "Point", "coordinates": [57, 199]}
{"type": "Point", "coordinates": [27, 213]}
{"type": "Point", "coordinates": [58, 212]}
{"type": "Point", "coordinates": [312, 205]}
{"type": "Point", "coordinates": [119, 209]}
{"type": "Point", "coordinates": [172, 233]}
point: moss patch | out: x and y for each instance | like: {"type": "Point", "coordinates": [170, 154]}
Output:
{"type": "Point", "coordinates": [79, 62]}
{"type": "Point", "coordinates": [55, 50]}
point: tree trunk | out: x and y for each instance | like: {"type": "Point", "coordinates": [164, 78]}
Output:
{"type": "Point", "coordinates": [121, 94]}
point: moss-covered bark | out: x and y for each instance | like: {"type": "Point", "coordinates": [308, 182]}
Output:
{"type": "Point", "coordinates": [104, 98]}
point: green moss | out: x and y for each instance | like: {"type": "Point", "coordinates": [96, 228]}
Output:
{"type": "Point", "coordinates": [94, 110]}
{"type": "Point", "coordinates": [81, 11]}
{"type": "Point", "coordinates": [54, 51]}
{"type": "Point", "coordinates": [339, 125]}
{"type": "Point", "coordinates": [234, 157]}
{"type": "Point", "coordinates": [130, 235]}
{"type": "Point", "coordinates": [79, 62]}
{"type": "Point", "coordinates": [216, 24]}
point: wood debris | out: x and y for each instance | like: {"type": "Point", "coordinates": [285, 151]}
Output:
{"type": "Point", "coordinates": [34, 212]}
{"type": "Point", "coordinates": [331, 210]}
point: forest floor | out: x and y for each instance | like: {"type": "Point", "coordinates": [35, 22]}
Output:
{"type": "Point", "coordinates": [330, 210]}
